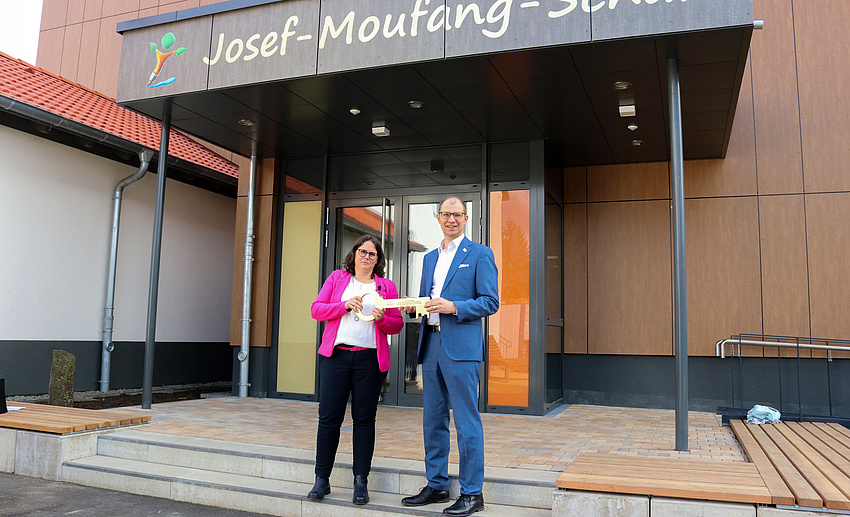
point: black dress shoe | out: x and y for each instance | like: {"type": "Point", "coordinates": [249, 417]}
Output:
{"type": "Point", "coordinates": [361, 493]}
{"type": "Point", "coordinates": [465, 505]}
{"type": "Point", "coordinates": [425, 496]}
{"type": "Point", "coordinates": [320, 489]}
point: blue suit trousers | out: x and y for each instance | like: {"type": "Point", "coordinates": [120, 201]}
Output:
{"type": "Point", "coordinates": [451, 384]}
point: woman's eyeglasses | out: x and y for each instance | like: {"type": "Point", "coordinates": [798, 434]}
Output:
{"type": "Point", "coordinates": [363, 253]}
{"type": "Point", "coordinates": [446, 215]}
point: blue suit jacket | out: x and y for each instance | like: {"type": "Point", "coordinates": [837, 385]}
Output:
{"type": "Point", "coordinates": [472, 284]}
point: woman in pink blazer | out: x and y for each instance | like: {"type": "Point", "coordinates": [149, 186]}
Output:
{"type": "Point", "coordinates": [356, 358]}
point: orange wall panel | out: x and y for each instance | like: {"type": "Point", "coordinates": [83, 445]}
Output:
{"type": "Point", "coordinates": [53, 14]}
{"type": "Point", "coordinates": [70, 56]}
{"type": "Point", "coordinates": [829, 263]}
{"type": "Point", "coordinates": [50, 44]}
{"type": "Point", "coordinates": [75, 12]}
{"type": "Point", "coordinates": [629, 278]}
{"type": "Point", "coordinates": [822, 50]}
{"type": "Point", "coordinates": [777, 112]}
{"type": "Point", "coordinates": [575, 279]}
{"type": "Point", "coordinates": [724, 283]}
{"type": "Point", "coordinates": [94, 10]}
{"type": "Point", "coordinates": [87, 66]}
{"type": "Point", "coordinates": [628, 182]}
{"type": "Point", "coordinates": [575, 185]}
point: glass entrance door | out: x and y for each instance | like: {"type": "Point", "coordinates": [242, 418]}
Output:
{"type": "Point", "coordinates": [415, 218]}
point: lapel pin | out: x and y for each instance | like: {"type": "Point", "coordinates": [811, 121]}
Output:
{"type": "Point", "coordinates": [464, 250]}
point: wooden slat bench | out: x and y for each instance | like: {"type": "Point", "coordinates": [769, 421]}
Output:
{"type": "Point", "coordinates": [62, 420]}
{"type": "Point", "coordinates": [809, 461]}
{"type": "Point", "coordinates": [667, 477]}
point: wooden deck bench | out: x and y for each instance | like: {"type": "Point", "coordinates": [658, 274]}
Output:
{"type": "Point", "coordinates": [62, 420]}
{"type": "Point", "coordinates": [806, 463]}
{"type": "Point", "coordinates": [725, 481]}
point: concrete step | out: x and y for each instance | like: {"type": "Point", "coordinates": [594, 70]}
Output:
{"type": "Point", "coordinates": [248, 493]}
{"type": "Point", "coordinates": [502, 486]}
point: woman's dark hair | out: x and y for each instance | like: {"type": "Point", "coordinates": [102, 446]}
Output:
{"type": "Point", "coordinates": [348, 263]}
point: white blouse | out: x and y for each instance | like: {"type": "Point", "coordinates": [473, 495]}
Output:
{"type": "Point", "coordinates": [353, 331]}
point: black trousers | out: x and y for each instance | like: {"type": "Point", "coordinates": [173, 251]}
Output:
{"type": "Point", "coordinates": [348, 373]}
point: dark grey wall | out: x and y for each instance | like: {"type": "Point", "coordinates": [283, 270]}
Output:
{"type": "Point", "coordinates": [26, 364]}
{"type": "Point", "coordinates": [648, 381]}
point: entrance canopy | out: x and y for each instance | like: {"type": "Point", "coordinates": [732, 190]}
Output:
{"type": "Point", "coordinates": [300, 78]}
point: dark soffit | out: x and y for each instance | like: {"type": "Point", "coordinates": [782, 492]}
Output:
{"type": "Point", "coordinates": [561, 94]}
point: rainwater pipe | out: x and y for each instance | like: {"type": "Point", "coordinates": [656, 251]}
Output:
{"type": "Point", "coordinates": [248, 261]}
{"type": "Point", "coordinates": [108, 315]}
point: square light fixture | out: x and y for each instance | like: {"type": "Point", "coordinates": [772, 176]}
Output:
{"type": "Point", "coordinates": [628, 110]}
{"type": "Point", "coordinates": [380, 131]}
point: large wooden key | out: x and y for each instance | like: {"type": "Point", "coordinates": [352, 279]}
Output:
{"type": "Point", "coordinates": [372, 298]}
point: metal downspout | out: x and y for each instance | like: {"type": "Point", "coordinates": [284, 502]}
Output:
{"type": "Point", "coordinates": [108, 314]}
{"type": "Point", "coordinates": [156, 251]}
{"type": "Point", "coordinates": [680, 293]}
{"type": "Point", "coordinates": [248, 261]}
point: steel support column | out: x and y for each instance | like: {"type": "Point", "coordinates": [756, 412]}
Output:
{"type": "Point", "coordinates": [680, 292]}
{"type": "Point", "coordinates": [156, 248]}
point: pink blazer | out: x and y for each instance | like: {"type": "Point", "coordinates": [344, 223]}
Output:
{"type": "Point", "coordinates": [329, 306]}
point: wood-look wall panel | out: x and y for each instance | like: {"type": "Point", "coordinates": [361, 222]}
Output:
{"type": "Point", "coordinates": [50, 49]}
{"type": "Point", "coordinates": [822, 50]}
{"type": "Point", "coordinates": [53, 13]}
{"type": "Point", "coordinates": [170, 6]}
{"type": "Point", "coordinates": [626, 182]}
{"type": "Point", "coordinates": [734, 175]}
{"type": "Point", "coordinates": [70, 51]}
{"type": "Point", "coordinates": [785, 282]}
{"type": "Point", "coordinates": [76, 11]}
{"type": "Point", "coordinates": [724, 281]}
{"type": "Point", "coordinates": [267, 177]}
{"type": "Point", "coordinates": [575, 279]}
{"type": "Point", "coordinates": [118, 7]}
{"type": "Point", "coordinates": [94, 10]}
{"type": "Point", "coordinates": [147, 4]}
{"type": "Point", "coordinates": [262, 298]}
{"type": "Point", "coordinates": [629, 278]}
{"type": "Point", "coordinates": [827, 217]}
{"type": "Point", "coordinates": [777, 113]}
{"type": "Point", "coordinates": [88, 63]}
{"type": "Point", "coordinates": [109, 55]}
{"type": "Point", "coordinates": [575, 184]}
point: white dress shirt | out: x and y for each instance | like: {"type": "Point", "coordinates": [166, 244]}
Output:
{"type": "Point", "coordinates": [441, 270]}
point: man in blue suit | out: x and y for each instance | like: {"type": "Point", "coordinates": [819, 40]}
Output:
{"type": "Point", "coordinates": [462, 281]}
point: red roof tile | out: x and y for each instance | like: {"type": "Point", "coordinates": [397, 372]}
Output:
{"type": "Point", "coordinates": [37, 87]}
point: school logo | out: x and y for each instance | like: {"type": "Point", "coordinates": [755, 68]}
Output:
{"type": "Point", "coordinates": [167, 42]}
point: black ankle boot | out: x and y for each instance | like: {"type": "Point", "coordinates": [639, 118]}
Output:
{"type": "Point", "coordinates": [361, 493]}
{"type": "Point", "coordinates": [320, 489]}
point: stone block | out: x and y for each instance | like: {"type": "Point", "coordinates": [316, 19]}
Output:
{"type": "Point", "coordinates": [41, 455]}
{"type": "Point", "coordinates": [61, 388]}
{"type": "Point", "coordinates": [668, 507]}
{"type": "Point", "coordinates": [770, 511]}
{"type": "Point", "coordinates": [8, 439]}
{"type": "Point", "coordinates": [573, 503]}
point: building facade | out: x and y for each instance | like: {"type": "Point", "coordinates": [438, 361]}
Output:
{"type": "Point", "coordinates": [579, 215]}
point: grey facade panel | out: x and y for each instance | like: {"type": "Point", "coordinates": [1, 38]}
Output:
{"type": "Point", "coordinates": [265, 43]}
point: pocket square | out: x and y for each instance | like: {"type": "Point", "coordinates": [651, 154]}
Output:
{"type": "Point", "coordinates": [463, 265]}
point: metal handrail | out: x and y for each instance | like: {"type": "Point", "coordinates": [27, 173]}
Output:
{"type": "Point", "coordinates": [720, 346]}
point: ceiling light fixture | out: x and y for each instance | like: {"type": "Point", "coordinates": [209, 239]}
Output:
{"type": "Point", "coordinates": [245, 122]}
{"type": "Point", "coordinates": [368, 182]}
{"type": "Point", "coordinates": [628, 110]}
{"type": "Point", "coordinates": [621, 85]}
{"type": "Point", "coordinates": [415, 104]}
{"type": "Point", "coordinates": [632, 127]}
{"type": "Point", "coordinates": [380, 131]}
{"type": "Point", "coordinates": [354, 111]}
{"type": "Point", "coordinates": [637, 143]}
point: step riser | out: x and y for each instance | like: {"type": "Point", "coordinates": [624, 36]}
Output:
{"type": "Point", "coordinates": [389, 481]}
{"type": "Point", "coordinates": [179, 484]}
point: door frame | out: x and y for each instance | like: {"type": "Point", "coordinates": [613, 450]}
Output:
{"type": "Point", "coordinates": [401, 203]}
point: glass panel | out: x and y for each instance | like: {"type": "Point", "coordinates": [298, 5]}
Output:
{"type": "Point", "coordinates": [507, 367]}
{"type": "Point", "coordinates": [357, 221]}
{"type": "Point", "coordinates": [423, 236]}
{"type": "Point", "coordinates": [304, 176]}
{"type": "Point", "coordinates": [302, 244]}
